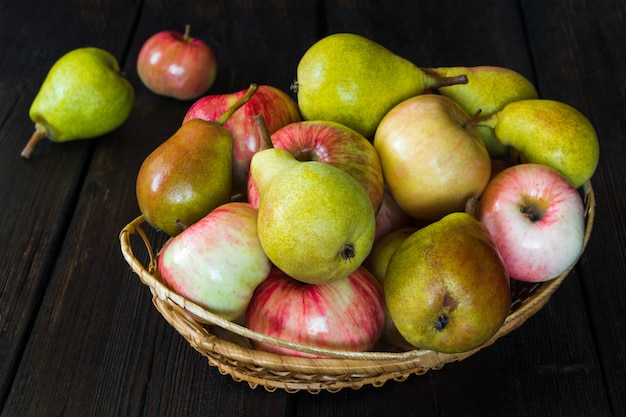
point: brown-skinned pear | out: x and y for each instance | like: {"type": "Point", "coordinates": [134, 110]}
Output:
{"type": "Point", "coordinates": [189, 174]}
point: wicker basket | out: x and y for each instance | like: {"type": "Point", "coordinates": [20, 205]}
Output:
{"type": "Point", "coordinates": [226, 344]}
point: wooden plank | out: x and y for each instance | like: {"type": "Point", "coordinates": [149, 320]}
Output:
{"type": "Point", "coordinates": [38, 195]}
{"type": "Point", "coordinates": [581, 59]}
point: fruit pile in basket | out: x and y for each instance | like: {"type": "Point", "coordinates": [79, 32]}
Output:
{"type": "Point", "coordinates": [388, 202]}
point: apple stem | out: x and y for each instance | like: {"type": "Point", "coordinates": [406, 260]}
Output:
{"type": "Point", "coordinates": [186, 34]}
{"type": "Point", "coordinates": [265, 140]}
{"type": "Point", "coordinates": [473, 118]}
{"type": "Point", "coordinates": [532, 212]}
{"type": "Point", "coordinates": [243, 100]}
{"type": "Point", "coordinates": [38, 135]}
{"type": "Point", "coordinates": [471, 207]}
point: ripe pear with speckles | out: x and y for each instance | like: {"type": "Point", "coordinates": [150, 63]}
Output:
{"type": "Point", "coordinates": [316, 222]}
{"type": "Point", "coordinates": [446, 287]}
{"type": "Point", "coordinates": [352, 80]}
{"type": "Point", "coordinates": [83, 96]}
{"type": "Point", "coordinates": [548, 132]}
{"type": "Point", "coordinates": [488, 89]}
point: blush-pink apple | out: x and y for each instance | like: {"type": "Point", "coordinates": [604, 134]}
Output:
{"type": "Point", "coordinates": [277, 108]}
{"type": "Point", "coordinates": [347, 314]}
{"type": "Point", "coordinates": [176, 65]}
{"type": "Point", "coordinates": [536, 220]}
{"type": "Point", "coordinates": [218, 261]}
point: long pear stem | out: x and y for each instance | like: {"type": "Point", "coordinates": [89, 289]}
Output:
{"type": "Point", "coordinates": [243, 100]}
{"type": "Point", "coordinates": [446, 81]}
{"type": "Point", "coordinates": [38, 135]}
{"type": "Point", "coordinates": [434, 80]}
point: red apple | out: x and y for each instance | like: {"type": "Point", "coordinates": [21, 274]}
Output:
{"type": "Point", "coordinates": [337, 145]}
{"type": "Point", "coordinates": [390, 217]}
{"type": "Point", "coordinates": [432, 155]}
{"type": "Point", "coordinates": [536, 220]}
{"type": "Point", "coordinates": [176, 65]}
{"type": "Point", "coordinates": [347, 314]}
{"type": "Point", "coordinates": [278, 109]}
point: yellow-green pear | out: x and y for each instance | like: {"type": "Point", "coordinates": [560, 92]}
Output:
{"type": "Point", "coordinates": [446, 287]}
{"type": "Point", "coordinates": [488, 89]}
{"type": "Point", "coordinates": [549, 132]}
{"type": "Point", "coordinates": [83, 96]}
{"type": "Point", "coordinates": [316, 222]}
{"type": "Point", "coordinates": [350, 79]}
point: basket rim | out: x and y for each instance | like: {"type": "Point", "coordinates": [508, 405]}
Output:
{"type": "Point", "coordinates": [191, 321]}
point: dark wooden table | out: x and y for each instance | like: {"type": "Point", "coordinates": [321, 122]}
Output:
{"type": "Point", "coordinates": [78, 333]}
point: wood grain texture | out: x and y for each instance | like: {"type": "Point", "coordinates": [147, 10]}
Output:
{"type": "Point", "coordinates": [78, 333]}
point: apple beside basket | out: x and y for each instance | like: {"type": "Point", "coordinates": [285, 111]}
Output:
{"type": "Point", "coordinates": [226, 344]}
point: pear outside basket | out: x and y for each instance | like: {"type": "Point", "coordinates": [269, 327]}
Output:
{"type": "Point", "coordinates": [226, 344]}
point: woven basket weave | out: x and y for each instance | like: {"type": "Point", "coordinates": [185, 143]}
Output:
{"type": "Point", "coordinates": [226, 344]}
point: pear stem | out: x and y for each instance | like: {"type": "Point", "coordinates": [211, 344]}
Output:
{"type": "Point", "coordinates": [186, 34]}
{"type": "Point", "coordinates": [243, 100]}
{"type": "Point", "coordinates": [38, 135]}
{"type": "Point", "coordinates": [435, 81]}
{"type": "Point", "coordinates": [265, 140]}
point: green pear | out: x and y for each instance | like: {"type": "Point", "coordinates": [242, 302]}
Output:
{"type": "Point", "coordinates": [83, 96]}
{"type": "Point", "coordinates": [488, 90]}
{"type": "Point", "coordinates": [352, 80]}
{"type": "Point", "coordinates": [548, 132]}
{"type": "Point", "coordinates": [446, 287]}
{"type": "Point", "coordinates": [189, 175]}
{"type": "Point", "coordinates": [316, 222]}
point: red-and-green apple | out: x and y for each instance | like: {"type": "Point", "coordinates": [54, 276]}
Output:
{"type": "Point", "coordinates": [347, 314]}
{"type": "Point", "coordinates": [218, 261]}
{"type": "Point", "coordinates": [334, 144]}
{"type": "Point", "coordinates": [536, 220]}
{"type": "Point", "coordinates": [176, 65]}
{"type": "Point", "coordinates": [277, 108]}
{"type": "Point", "coordinates": [432, 155]}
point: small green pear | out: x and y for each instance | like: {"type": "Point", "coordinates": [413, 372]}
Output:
{"type": "Point", "coordinates": [189, 175]}
{"type": "Point", "coordinates": [446, 287]}
{"type": "Point", "coordinates": [316, 222]}
{"type": "Point", "coordinates": [488, 89]}
{"type": "Point", "coordinates": [83, 96]}
{"type": "Point", "coordinates": [352, 80]}
{"type": "Point", "coordinates": [548, 132]}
